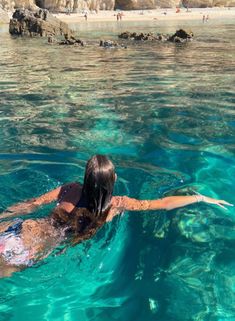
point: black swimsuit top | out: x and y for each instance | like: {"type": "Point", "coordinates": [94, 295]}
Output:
{"type": "Point", "coordinates": [82, 203]}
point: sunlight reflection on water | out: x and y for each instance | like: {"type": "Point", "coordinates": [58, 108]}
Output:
{"type": "Point", "coordinates": [165, 115]}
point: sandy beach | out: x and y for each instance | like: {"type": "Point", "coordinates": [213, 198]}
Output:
{"type": "Point", "coordinates": [148, 15]}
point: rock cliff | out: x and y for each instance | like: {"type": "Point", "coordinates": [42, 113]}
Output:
{"type": "Point", "coordinates": [208, 3]}
{"type": "Point", "coordinates": [167, 3]}
{"type": "Point", "coordinates": [77, 5]}
{"type": "Point", "coordinates": [9, 5]}
{"type": "Point", "coordinates": [145, 4]}
{"type": "Point", "coordinates": [4, 18]}
{"type": "Point", "coordinates": [135, 4]}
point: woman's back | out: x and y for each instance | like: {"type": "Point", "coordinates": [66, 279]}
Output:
{"type": "Point", "coordinates": [33, 239]}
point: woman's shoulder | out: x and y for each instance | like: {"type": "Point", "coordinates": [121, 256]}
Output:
{"type": "Point", "coordinates": [69, 189]}
{"type": "Point", "coordinates": [71, 185]}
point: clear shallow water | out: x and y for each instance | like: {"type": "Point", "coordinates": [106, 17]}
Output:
{"type": "Point", "coordinates": [165, 115]}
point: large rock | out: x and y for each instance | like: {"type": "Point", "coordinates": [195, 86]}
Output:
{"type": "Point", "coordinates": [75, 5]}
{"type": "Point", "coordinates": [167, 3]}
{"type": "Point", "coordinates": [197, 3]}
{"type": "Point", "coordinates": [37, 23]}
{"type": "Point", "coordinates": [135, 4]}
{"type": "Point", "coordinates": [181, 36]}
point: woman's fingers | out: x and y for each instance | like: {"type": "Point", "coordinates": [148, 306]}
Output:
{"type": "Point", "coordinates": [220, 203]}
{"type": "Point", "coordinates": [225, 203]}
{"type": "Point", "coordinates": [222, 206]}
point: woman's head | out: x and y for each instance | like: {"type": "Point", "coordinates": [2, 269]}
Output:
{"type": "Point", "coordinates": [98, 184]}
{"type": "Point", "coordinates": [96, 194]}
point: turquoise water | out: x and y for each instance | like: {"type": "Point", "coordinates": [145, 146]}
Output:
{"type": "Point", "coordinates": [165, 115]}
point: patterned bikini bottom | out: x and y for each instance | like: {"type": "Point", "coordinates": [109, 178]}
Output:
{"type": "Point", "coordinates": [12, 248]}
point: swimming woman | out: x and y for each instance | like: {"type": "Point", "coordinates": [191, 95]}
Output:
{"type": "Point", "coordinates": [80, 211]}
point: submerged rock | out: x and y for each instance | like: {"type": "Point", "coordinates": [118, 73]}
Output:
{"type": "Point", "coordinates": [71, 40]}
{"type": "Point", "coordinates": [137, 36]}
{"type": "Point", "coordinates": [179, 36]}
{"type": "Point", "coordinates": [36, 23]}
{"type": "Point", "coordinates": [111, 44]}
{"type": "Point", "coordinates": [68, 40]}
{"type": "Point", "coordinates": [125, 35]}
{"type": "Point", "coordinates": [145, 36]}
{"type": "Point", "coordinates": [162, 37]}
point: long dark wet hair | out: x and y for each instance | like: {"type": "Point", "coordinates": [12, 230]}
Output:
{"type": "Point", "coordinates": [95, 201]}
{"type": "Point", "coordinates": [98, 184]}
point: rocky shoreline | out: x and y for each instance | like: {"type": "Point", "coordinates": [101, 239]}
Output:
{"type": "Point", "coordinates": [40, 23]}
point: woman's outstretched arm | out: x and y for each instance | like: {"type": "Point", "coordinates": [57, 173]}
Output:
{"type": "Point", "coordinates": [30, 205]}
{"type": "Point", "coordinates": [166, 203]}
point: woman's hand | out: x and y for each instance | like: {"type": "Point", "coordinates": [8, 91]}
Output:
{"type": "Point", "coordinates": [214, 201]}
